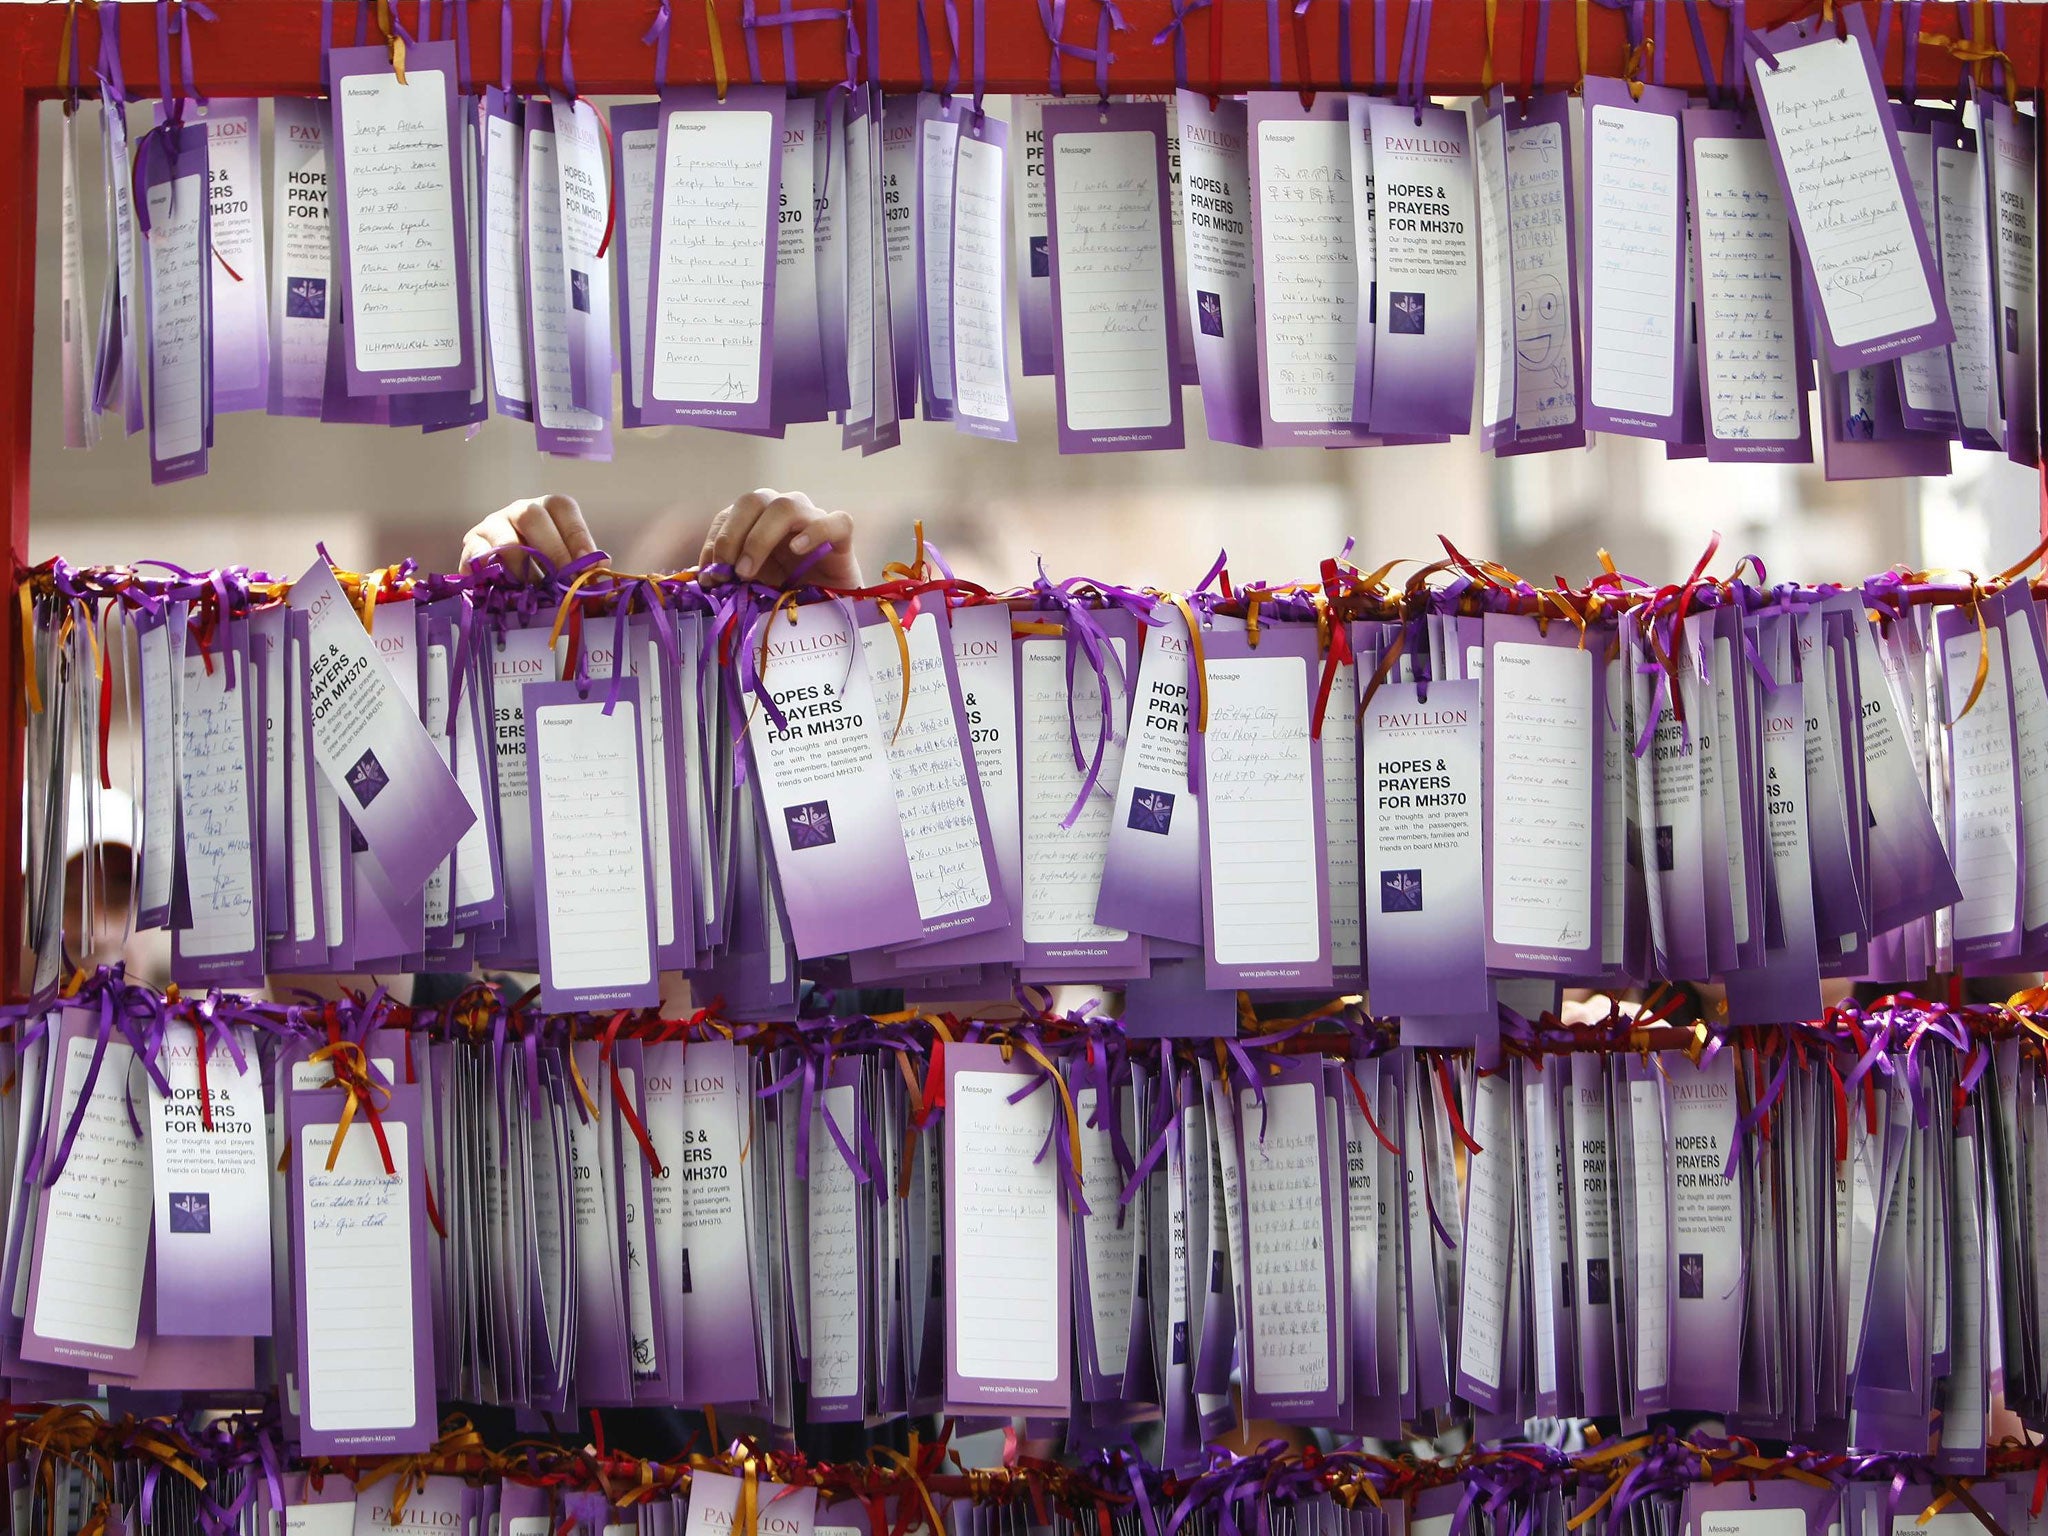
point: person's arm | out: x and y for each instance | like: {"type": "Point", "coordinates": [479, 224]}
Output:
{"type": "Point", "coordinates": [764, 536]}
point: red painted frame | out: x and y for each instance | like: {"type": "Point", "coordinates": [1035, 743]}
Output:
{"type": "Point", "coordinates": [272, 48]}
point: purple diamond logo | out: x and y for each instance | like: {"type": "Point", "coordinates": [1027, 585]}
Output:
{"type": "Point", "coordinates": [367, 778]}
{"type": "Point", "coordinates": [1667, 854]}
{"type": "Point", "coordinates": [1151, 811]}
{"type": "Point", "coordinates": [1597, 1289]}
{"type": "Point", "coordinates": [1400, 890]}
{"type": "Point", "coordinates": [1692, 1276]}
{"type": "Point", "coordinates": [2012, 329]}
{"type": "Point", "coordinates": [579, 290]}
{"type": "Point", "coordinates": [306, 299]}
{"type": "Point", "coordinates": [1405, 313]}
{"type": "Point", "coordinates": [1209, 307]}
{"type": "Point", "coordinates": [810, 824]}
{"type": "Point", "coordinates": [1041, 257]}
{"type": "Point", "coordinates": [192, 1213]}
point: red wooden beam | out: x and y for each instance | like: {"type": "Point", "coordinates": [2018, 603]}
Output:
{"type": "Point", "coordinates": [271, 47]}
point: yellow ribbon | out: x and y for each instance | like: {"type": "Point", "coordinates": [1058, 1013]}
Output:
{"type": "Point", "coordinates": [888, 610]}
{"type": "Point", "coordinates": [1486, 64]}
{"type": "Point", "coordinates": [576, 1078]}
{"type": "Point", "coordinates": [356, 1083]}
{"type": "Point", "coordinates": [394, 39]}
{"type": "Point", "coordinates": [1584, 27]}
{"type": "Point", "coordinates": [718, 74]}
{"type": "Point", "coordinates": [28, 650]}
{"type": "Point", "coordinates": [1187, 614]}
{"type": "Point", "coordinates": [569, 597]}
{"type": "Point", "coordinates": [1983, 655]}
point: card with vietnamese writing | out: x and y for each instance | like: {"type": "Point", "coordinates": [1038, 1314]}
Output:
{"type": "Point", "coordinates": [1006, 1237]}
{"type": "Point", "coordinates": [1821, 97]}
{"type": "Point", "coordinates": [1109, 235]}
{"type": "Point", "coordinates": [711, 310]}
{"type": "Point", "coordinates": [401, 226]}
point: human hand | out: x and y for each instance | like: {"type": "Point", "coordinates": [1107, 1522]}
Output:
{"type": "Point", "coordinates": [766, 535]}
{"type": "Point", "coordinates": [553, 525]}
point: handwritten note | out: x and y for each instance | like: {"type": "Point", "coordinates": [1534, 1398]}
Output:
{"type": "Point", "coordinates": [1063, 864]}
{"type": "Point", "coordinates": [1308, 270]}
{"type": "Point", "coordinates": [504, 266]}
{"type": "Point", "coordinates": [1546, 369]}
{"type": "Point", "coordinates": [355, 1225]}
{"type": "Point", "coordinates": [1966, 280]}
{"type": "Point", "coordinates": [399, 167]}
{"type": "Point", "coordinates": [1005, 1230]}
{"type": "Point", "coordinates": [928, 766]}
{"type": "Point", "coordinates": [937, 149]}
{"type": "Point", "coordinates": [1748, 338]}
{"type": "Point", "coordinates": [1985, 840]}
{"type": "Point", "coordinates": [1542, 792]}
{"type": "Point", "coordinates": [1855, 211]}
{"type": "Point", "coordinates": [1288, 1291]}
{"type": "Point", "coordinates": [980, 361]}
{"type": "Point", "coordinates": [593, 844]}
{"type": "Point", "coordinates": [1924, 380]}
{"type": "Point", "coordinates": [1635, 226]}
{"type": "Point", "coordinates": [835, 1248]}
{"type": "Point", "coordinates": [1114, 363]}
{"type": "Point", "coordinates": [1340, 817]}
{"type": "Point", "coordinates": [1496, 271]}
{"type": "Point", "coordinates": [1489, 1234]}
{"type": "Point", "coordinates": [1259, 779]}
{"type": "Point", "coordinates": [177, 319]}
{"type": "Point", "coordinates": [1649, 1153]}
{"type": "Point", "coordinates": [719, 173]}
{"type": "Point", "coordinates": [94, 1233]}
{"type": "Point", "coordinates": [214, 806]}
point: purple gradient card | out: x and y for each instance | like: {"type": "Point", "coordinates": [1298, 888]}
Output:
{"type": "Point", "coordinates": [371, 747]}
{"type": "Point", "coordinates": [2011, 149]}
{"type": "Point", "coordinates": [978, 341]}
{"type": "Point", "coordinates": [1216, 230]}
{"type": "Point", "coordinates": [1543, 821]}
{"type": "Point", "coordinates": [1855, 219]}
{"type": "Point", "coordinates": [593, 888]}
{"type": "Point", "coordinates": [1109, 231]}
{"type": "Point", "coordinates": [1635, 258]}
{"type": "Point", "coordinates": [177, 218]}
{"type": "Point", "coordinates": [560, 425]}
{"type": "Point", "coordinates": [1006, 1236]}
{"type": "Point", "coordinates": [827, 798]}
{"type": "Point", "coordinates": [1426, 270]}
{"type": "Point", "coordinates": [239, 291]}
{"type": "Point", "coordinates": [636, 169]}
{"type": "Point", "coordinates": [1303, 230]}
{"type": "Point", "coordinates": [301, 253]}
{"type": "Point", "coordinates": [502, 221]}
{"type": "Point", "coordinates": [1752, 389]}
{"type": "Point", "coordinates": [1265, 851]}
{"type": "Point", "coordinates": [400, 224]}
{"type": "Point", "coordinates": [1152, 861]}
{"type": "Point", "coordinates": [1543, 207]}
{"type": "Point", "coordinates": [359, 1240]}
{"type": "Point", "coordinates": [710, 316]}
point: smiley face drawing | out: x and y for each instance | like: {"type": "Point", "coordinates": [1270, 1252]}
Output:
{"type": "Point", "coordinates": [1541, 345]}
